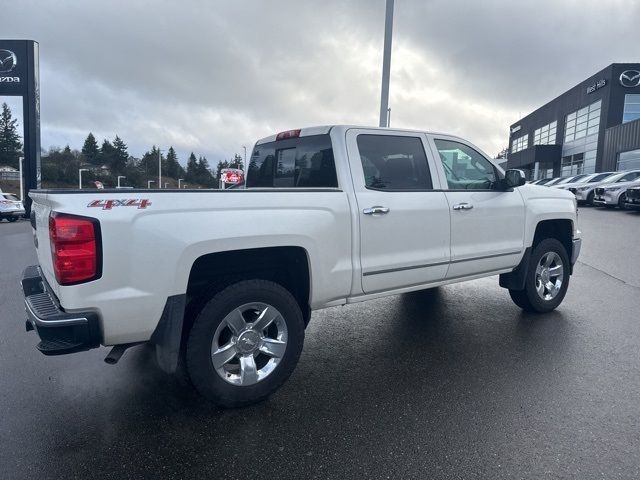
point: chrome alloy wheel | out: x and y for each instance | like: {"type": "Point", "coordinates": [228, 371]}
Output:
{"type": "Point", "coordinates": [549, 276]}
{"type": "Point", "coordinates": [249, 344]}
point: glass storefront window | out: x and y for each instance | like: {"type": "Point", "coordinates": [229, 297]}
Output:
{"type": "Point", "coordinates": [545, 135]}
{"type": "Point", "coordinates": [631, 110]}
{"type": "Point", "coordinates": [583, 122]}
{"type": "Point", "coordinates": [629, 160]}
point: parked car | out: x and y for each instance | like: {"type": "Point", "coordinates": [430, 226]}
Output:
{"type": "Point", "coordinates": [614, 195]}
{"type": "Point", "coordinates": [573, 185]}
{"type": "Point", "coordinates": [633, 198]}
{"type": "Point", "coordinates": [586, 194]}
{"type": "Point", "coordinates": [11, 208]}
{"type": "Point", "coordinates": [568, 180]}
{"type": "Point", "coordinates": [328, 216]}
{"type": "Point", "coordinates": [541, 181]}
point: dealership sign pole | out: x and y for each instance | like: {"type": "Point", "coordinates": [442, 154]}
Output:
{"type": "Point", "coordinates": [20, 77]}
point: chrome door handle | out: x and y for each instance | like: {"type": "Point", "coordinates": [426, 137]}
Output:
{"type": "Point", "coordinates": [463, 206]}
{"type": "Point", "coordinates": [375, 210]}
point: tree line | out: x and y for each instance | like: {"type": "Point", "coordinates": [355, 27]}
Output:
{"type": "Point", "coordinates": [110, 159]}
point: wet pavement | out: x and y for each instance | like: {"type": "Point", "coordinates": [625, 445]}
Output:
{"type": "Point", "coordinates": [451, 383]}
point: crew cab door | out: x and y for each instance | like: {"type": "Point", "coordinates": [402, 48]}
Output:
{"type": "Point", "coordinates": [403, 217]}
{"type": "Point", "coordinates": [487, 223]}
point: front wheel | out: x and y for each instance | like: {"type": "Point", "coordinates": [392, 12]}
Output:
{"type": "Point", "coordinates": [245, 343]}
{"type": "Point", "coordinates": [547, 278]}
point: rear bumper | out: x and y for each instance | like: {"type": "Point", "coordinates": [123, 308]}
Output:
{"type": "Point", "coordinates": [12, 214]}
{"type": "Point", "coordinates": [60, 332]}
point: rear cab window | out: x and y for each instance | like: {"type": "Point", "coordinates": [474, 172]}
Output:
{"type": "Point", "coordinates": [392, 163]}
{"type": "Point", "coordinates": [301, 162]}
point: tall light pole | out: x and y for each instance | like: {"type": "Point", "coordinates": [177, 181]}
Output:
{"type": "Point", "coordinates": [149, 182]}
{"type": "Point", "coordinates": [386, 64]}
{"type": "Point", "coordinates": [80, 176]}
{"type": "Point", "coordinates": [159, 168]}
{"type": "Point", "coordinates": [179, 182]}
{"type": "Point", "coordinates": [20, 159]}
{"type": "Point", "coordinates": [245, 156]}
{"type": "Point", "coordinates": [119, 177]}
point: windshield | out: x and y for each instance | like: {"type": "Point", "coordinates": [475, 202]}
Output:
{"type": "Point", "coordinates": [8, 196]}
{"type": "Point", "coordinates": [571, 179]}
{"type": "Point", "coordinates": [601, 177]}
{"type": "Point", "coordinates": [543, 181]}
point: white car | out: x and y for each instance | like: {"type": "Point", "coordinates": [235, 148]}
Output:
{"type": "Point", "coordinates": [227, 279]}
{"type": "Point", "coordinates": [11, 208]}
{"type": "Point", "coordinates": [614, 195]}
{"type": "Point", "coordinates": [581, 180]}
{"type": "Point", "coordinates": [587, 193]}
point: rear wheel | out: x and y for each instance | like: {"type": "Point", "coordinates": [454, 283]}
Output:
{"type": "Point", "coordinates": [547, 278]}
{"type": "Point", "coordinates": [245, 343]}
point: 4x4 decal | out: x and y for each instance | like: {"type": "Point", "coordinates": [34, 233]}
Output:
{"type": "Point", "coordinates": [109, 204]}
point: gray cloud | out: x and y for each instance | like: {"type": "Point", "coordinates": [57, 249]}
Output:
{"type": "Point", "coordinates": [210, 76]}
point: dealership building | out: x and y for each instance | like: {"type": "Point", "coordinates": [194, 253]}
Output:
{"type": "Point", "coordinates": [594, 127]}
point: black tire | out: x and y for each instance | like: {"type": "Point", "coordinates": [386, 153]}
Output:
{"type": "Point", "coordinates": [200, 367]}
{"type": "Point", "coordinates": [12, 219]}
{"type": "Point", "coordinates": [621, 201]}
{"type": "Point", "coordinates": [528, 299]}
{"type": "Point", "coordinates": [590, 198]}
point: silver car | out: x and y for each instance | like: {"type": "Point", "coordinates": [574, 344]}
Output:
{"type": "Point", "coordinates": [615, 194]}
{"type": "Point", "coordinates": [586, 194]}
{"type": "Point", "coordinates": [583, 180]}
{"type": "Point", "coordinates": [11, 207]}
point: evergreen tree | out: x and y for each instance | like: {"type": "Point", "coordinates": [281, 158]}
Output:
{"type": "Point", "coordinates": [149, 164]}
{"type": "Point", "coordinates": [90, 149]}
{"type": "Point", "coordinates": [10, 144]}
{"type": "Point", "coordinates": [119, 157]}
{"type": "Point", "coordinates": [221, 165]}
{"type": "Point", "coordinates": [204, 174]}
{"type": "Point", "coordinates": [174, 169]}
{"type": "Point", "coordinates": [192, 169]}
{"type": "Point", "coordinates": [107, 154]}
{"type": "Point", "coordinates": [236, 162]}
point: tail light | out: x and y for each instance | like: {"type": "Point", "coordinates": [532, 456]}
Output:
{"type": "Point", "coordinates": [75, 248]}
{"type": "Point", "coordinates": [288, 134]}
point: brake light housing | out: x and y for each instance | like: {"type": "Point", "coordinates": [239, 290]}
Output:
{"type": "Point", "coordinates": [76, 248]}
{"type": "Point", "coordinates": [288, 134]}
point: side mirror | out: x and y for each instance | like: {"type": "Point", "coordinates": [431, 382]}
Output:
{"type": "Point", "coordinates": [514, 178]}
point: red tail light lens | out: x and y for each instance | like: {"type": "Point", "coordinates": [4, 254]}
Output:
{"type": "Point", "coordinates": [288, 134]}
{"type": "Point", "coordinates": [75, 248]}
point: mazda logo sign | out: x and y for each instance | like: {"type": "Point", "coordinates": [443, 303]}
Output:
{"type": "Point", "coordinates": [8, 61]}
{"type": "Point", "coordinates": [630, 78]}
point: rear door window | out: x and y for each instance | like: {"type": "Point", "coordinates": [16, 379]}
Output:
{"type": "Point", "coordinates": [393, 162]}
{"type": "Point", "coordinates": [304, 162]}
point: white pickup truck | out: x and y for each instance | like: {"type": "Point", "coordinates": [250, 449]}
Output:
{"type": "Point", "coordinates": [224, 281]}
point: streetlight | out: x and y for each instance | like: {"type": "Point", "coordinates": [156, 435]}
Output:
{"type": "Point", "coordinates": [80, 176]}
{"type": "Point", "coordinates": [119, 177]}
{"type": "Point", "coordinates": [245, 156]}
{"type": "Point", "coordinates": [179, 181]}
{"type": "Point", "coordinates": [159, 168]}
{"type": "Point", "coordinates": [149, 182]}
{"type": "Point", "coordinates": [20, 159]}
{"type": "Point", "coordinates": [386, 64]}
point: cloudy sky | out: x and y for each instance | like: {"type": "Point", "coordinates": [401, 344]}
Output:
{"type": "Point", "coordinates": [212, 75]}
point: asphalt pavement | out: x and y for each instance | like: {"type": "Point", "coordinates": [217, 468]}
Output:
{"type": "Point", "coordinates": [455, 382]}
